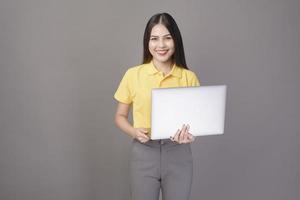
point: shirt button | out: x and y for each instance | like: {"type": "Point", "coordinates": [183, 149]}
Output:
{"type": "Point", "coordinates": [161, 142]}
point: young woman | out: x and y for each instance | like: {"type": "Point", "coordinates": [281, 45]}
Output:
{"type": "Point", "coordinates": [156, 164]}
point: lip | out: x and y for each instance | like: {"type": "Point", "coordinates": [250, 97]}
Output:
{"type": "Point", "coordinates": [162, 52]}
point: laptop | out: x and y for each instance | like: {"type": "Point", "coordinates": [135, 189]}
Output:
{"type": "Point", "coordinates": [203, 108]}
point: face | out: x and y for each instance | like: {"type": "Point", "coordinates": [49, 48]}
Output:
{"type": "Point", "coordinates": [161, 44]}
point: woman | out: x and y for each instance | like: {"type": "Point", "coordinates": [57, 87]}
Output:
{"type": "Point", "coordinates": [156, 164]}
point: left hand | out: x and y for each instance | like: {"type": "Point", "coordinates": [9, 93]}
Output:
{"type": "Point", "coordinates": [183, 136]}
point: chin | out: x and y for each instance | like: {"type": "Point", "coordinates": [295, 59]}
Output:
{"type": "Point", "coordinates": [163, 60]}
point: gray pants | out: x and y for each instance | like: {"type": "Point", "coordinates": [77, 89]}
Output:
{"type": "Point", "coordinates": [161, 164]}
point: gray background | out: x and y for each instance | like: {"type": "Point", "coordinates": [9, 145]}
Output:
{"type": "Point", "coordinates": [62, 60]}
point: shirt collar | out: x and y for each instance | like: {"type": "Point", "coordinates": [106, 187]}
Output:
{"type": "Point", "coordinates": [176, 71]}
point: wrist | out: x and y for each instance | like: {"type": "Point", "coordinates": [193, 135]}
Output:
{"type": "Point", "coordinates": [132, 133]}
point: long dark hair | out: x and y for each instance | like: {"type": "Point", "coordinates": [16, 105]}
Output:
{"type": "Point", "coordinates": [168, 21]}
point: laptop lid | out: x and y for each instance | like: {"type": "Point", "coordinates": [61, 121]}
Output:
{"type": "Point", "coordinates": [203, 108]}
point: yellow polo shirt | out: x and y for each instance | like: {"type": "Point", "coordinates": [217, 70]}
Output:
{"type": "Point", "coordinates": [137, 83]}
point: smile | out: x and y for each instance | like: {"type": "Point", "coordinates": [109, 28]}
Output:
{"type": "Point", "coordinates": [162, 52]}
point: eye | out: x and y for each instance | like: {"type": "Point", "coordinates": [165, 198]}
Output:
{"type": "Point", "coordinates": [153, 38]}
{"type": "Point", "coordinates": [169, 38]}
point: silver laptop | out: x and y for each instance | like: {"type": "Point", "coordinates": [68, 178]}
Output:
{"type": "Point", "coordinates": [203, 108]}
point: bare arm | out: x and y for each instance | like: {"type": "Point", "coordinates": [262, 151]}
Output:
{"type": "Point", "coordinates": [121, 120]}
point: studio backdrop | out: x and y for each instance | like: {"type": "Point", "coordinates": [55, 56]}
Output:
{"type": "Point", "coordinates": [61, 62]}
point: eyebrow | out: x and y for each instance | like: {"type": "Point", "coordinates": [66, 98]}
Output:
{"type": "Point", "coordinates": [158, 36]}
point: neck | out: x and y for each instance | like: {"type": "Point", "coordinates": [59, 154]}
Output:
{"type": "Point", "coordinates": [164, 67]}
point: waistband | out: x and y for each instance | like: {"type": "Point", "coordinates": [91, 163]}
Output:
{"type": "Point", "coordinates": [162, 142]}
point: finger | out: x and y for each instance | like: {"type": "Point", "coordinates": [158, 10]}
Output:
{"type": "Point", "coordinates": [182, 134]}
{"type": "Point", "coordinates": [145, 137]}
{"type": "Point", "coordinates": [187, 127]}
{"type": "Point", "coordinates": [144, 130]}
{"type": "Point", "coordinates": [186, 132]}
{"type": "Point", "coordinates": [172, 138]}
{"type": "Point", "coordinates": [185, 139]}
{"type": "Point", "coordinates": [140, 139]}
{"type": "Point", "coordinates": [142, 134]}
{"type": "Point", "coordinates": [143, 140]}
{"type": "Point", "coordinates": [176, 136]}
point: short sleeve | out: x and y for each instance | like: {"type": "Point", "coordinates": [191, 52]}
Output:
{"type": "Point", "coordinates": [194, 81]}
{"type": "Point", "coordinates": [124, 91]}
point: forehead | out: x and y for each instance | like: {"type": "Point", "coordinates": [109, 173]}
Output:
{"type": "Point", "coordinates": [159, 29]}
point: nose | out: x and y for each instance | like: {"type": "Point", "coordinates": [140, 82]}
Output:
{"type": "Point", "coordinates": [161, 43]}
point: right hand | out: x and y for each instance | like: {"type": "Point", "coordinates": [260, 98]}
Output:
{"type": "Point", "coordinates": [140, 135]}
{"type": "Point", "coordinates": [183, 136]}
